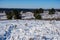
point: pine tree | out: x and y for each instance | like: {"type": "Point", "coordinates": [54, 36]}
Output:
{"type": "Point", "coordinates": [52, 11]}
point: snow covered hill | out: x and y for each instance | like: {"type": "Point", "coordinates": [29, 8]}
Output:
{"type": "Point", "coordinates": [29, 30]}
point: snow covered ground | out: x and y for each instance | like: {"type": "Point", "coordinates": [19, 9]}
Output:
{"type": "Point", "coordinates": [27, 15]}
{"type": "Point", "coordinates": [48, 16]}
{"type": "Point", "coordinates": [29, 30]}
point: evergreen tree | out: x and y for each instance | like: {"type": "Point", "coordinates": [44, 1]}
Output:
{"type": "Point", "coordinates": [52, 11]}
{"type": "Point", "coordinates": [41, 10]}
{"type": "Point", "coordinates": [17, 15]}
{"type": "Point", "coordinates": [37, 13]}
{"type": "Point", "coordinates": [9, 15]}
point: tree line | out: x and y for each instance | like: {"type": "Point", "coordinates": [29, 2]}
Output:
{"type": "Point", "coordinates": [13, 14]}
{"type": "Point", "coordinates": [16, 13]}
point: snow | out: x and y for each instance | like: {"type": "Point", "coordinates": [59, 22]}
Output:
{"type": "Point", "coordinates": [27, 15]}
{"type": "Point", "coordinates": [29, 29]}
{"type": "Point", "coordinates": [45, 15]}
{"type": "Point", "coordinates": [3, 15]}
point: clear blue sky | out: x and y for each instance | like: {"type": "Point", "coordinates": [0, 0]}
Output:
{"type": "Point", "coordinates": [29, 3]}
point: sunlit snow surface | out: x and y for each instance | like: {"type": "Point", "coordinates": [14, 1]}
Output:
{"type": "Point", "coordinates": [29, 30]}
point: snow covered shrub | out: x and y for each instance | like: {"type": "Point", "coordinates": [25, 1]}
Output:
{"type": "Point", "coordinates": [38, 17]}
{"type": "Point", "coordinates": [52, 11]}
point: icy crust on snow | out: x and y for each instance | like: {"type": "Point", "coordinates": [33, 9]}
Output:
{"type": "Point", "coordinates": [29, 30]}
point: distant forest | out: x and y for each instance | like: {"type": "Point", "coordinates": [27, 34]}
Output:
{"type": "Point", "coordinates": [24, 10]}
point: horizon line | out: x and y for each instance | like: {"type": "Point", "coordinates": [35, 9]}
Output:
{"type": "Point", "coordinates": [32, 8]}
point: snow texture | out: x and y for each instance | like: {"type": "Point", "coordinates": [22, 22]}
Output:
{"type": "Point", "coordinates": [29, 30]}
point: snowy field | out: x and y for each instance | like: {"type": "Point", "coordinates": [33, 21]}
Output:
{"type": "Point", "coordinates": [29, 30]}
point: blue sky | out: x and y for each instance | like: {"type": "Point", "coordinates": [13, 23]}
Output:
{"type": "Point", "coordinates": [29, 3]}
